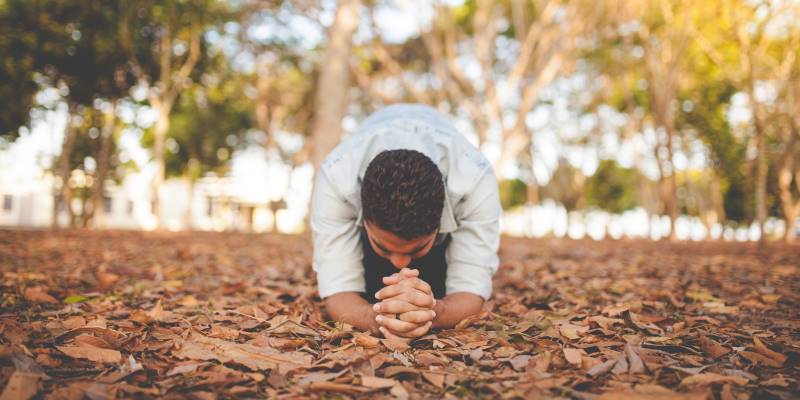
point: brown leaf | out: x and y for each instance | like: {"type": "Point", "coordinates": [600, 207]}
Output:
{"type": "Point", "coordinates": [426, 358]}
{"type": "Point", "coordinates": [396, 344]}
{"type": "Point", "coordinates": [710, 378]}
{"type": "Point", "coordinates": [635, 363]}
{"type": "Point", "coordinates": [757, 358]}
{"type": "Point", "coordinates": [92, 353]}
{"type": "Point", "coordinates": [21, 386]}
{"type": "Point", "coordinates": [774, 355]}
{"type": "Point", "coordinates": [199, 347]}
{"type": "Point", "coordinates": [573, 356]}
{"type": "Point", "coordinates": [377, 383]}
{"type": "Point", "coordinates": [223, 332]}
{"type": "Point", "coordinates": [712, 348]}
{"type": "Point", "coordinates": [602, 368]}
{"type": "Point", "coordinates": [337, 387]}
{"type": "Point", "coordinates": [436, 379]}
{"type": "Point", "coordinates": [74, 322]}
{"type": "Point", "coordinates": [520, 362]}
{"type": "Point", "coordinates": [399, 392]}
{"type": "Point", "coordinates": [38, 295]}
{"type": "Point", "coordinates": [366, 340]}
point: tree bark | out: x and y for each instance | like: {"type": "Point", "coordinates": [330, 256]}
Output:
{"type": "Point", "coordinates": [64, 195]}
{"type": "Point", "coordinates": [334, 82]}
{"type": "Point", "coordinates": [160, 135]}
{"type": "Point", "coordinates": [786, 173]}
{"type": "Point", "coordinates": [98, 213]}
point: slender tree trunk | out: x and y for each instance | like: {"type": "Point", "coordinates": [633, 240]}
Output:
{"type": "Point", "coordinates": [98, 213]}
{"type": "Point", "coordinates": [334, 82]}
{"type": "Point", "coordinates": [673, 191]}
{"type": "Point", "coordinates": [786, 173]}
{"type": "Point", "coordinates": [761, 174]}
{"type": "Point", "coordinates": [64, 195]}
{"type": "Point", "coordinates": [160, 135]}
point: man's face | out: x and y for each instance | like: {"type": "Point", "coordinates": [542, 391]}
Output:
{"type": "Point", "coordinates": [398, 251]}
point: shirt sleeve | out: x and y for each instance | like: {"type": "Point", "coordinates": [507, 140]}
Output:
{"type": "Point", "coordinates": [338, 257]}
{"type": "Point", "coordinates": [472, 254]}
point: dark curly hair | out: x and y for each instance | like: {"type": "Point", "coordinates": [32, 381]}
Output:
{"type": "Point", "coordinates": [403, 193]}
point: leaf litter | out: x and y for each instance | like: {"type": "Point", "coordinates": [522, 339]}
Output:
{"type": "Point", "coordinates": [207, 315]}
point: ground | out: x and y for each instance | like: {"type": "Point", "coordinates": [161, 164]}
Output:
{"type": "Point", "coordinates": [216, 315]}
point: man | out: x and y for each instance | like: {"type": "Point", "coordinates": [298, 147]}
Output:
{"type": "Point", "coordinates": [405, 214]}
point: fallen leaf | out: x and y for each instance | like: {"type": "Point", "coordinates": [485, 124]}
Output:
{"type": "Point", "coordinates": [38, 295]}
{"type": "Point", "coordinates": [602, 368]}
{"type": "Point", "coordinates": [21, 386]}
{"type": "Point", "coordinates": [92, 353]}
{"type": "Point", "coordinates": [436, 379]}
{"type": "Point", "coordinates": [74, 322]}
{"type": "Point", "coordinates": [199, 347]}
{"type": "Point", "coordinates": [573, 356]}
{"type": "Point", "coordinates": [712, 348]}
{"type": "Point", "coordinates": [396, 344]}
{"type": "Point", "coordinates": [710, 378]}
{"type": "Point", "coordinates": [636, 366]}
{"type": "Point", "coordinates": [774, 355]}
{"type": "Point", "coordinates": [223, 332]}
{"type": "Point", "coordinates": [377, 383]}
{"type": "Point", "coordinates": [366, 340]}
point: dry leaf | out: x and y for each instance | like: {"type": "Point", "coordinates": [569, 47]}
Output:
{"type": "Point", "coordinates": [366, 340]}
{"type": "Point", "coordinates": [573, 356]}
{"type": "Point", "coordinates": [21, 386]}
{"type": "Point", "coordinates": [710, 378]}
{"type": "Point", "coordinates": [199, 347]}
{"type": "Point", "coordinates": [436, 379]}
{"type": "Point", "coordinates": [38, 295]}
{"type": "Point", "coordinates": [92, 353]}
{"type": "Point", "coordinates": [774, 355]}
{"type": "Point", "coordinates": [377, 383]}
{"type": "Point", "coordinates": [713, 348]}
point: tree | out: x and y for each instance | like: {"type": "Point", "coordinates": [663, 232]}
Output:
{"type": "Point", "coordinates": [333, 87]}
{"type": "Point", "coordinates": [612, 188]}
{"type": "Point", "coordinates": [70, 45]}
{"type": "Point", "coordinates": [546, 36]}
{"type": "Point", "coordinates": [164, 41]}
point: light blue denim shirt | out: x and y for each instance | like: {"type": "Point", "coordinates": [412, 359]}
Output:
{"type": "Point", "coordinates": [471, 211]}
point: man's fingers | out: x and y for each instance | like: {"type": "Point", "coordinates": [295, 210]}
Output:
{"type": "Point", "coordinates": [406, 285]}
{"type": "Point", "coordinates": [417, 317]}
{"type": "Point", "coordinates": [416, 332]}
{"type": "Point", "coordinates": [392, 306]}
{"type": "Point", "coordinates": [395, 325]}
{"type": "Point", "coordinates": [399, 276]}
{"type": "Point", "coordinates": [389, 335]}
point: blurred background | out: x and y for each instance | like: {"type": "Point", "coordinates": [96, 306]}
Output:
{"type": "Point", "coordinates": [646, 119]}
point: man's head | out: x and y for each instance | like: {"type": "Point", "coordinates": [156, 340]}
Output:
{"type": "Point", "coordinates": [402, 198]}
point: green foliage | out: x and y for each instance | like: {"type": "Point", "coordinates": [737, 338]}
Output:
{"type": "Point", "coordinates": [513, 193]}
{"type": "Point", "coordinates": [60, 43]}
{"type": "Point", "coordinates": [612, 187]}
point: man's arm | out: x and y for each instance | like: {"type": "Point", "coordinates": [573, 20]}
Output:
{"type": "Point", "coordinates": [455, 307]}
{"type": "Point", "coordinates": [351, 308]}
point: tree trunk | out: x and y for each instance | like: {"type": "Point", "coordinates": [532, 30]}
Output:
{"type": "Point", "coordinates": [160, 136]}
{"type": "Point", "coordinates": [98, 212]}
{"type": "Point", "coordinates": [334, 81]}
{"type": "Point", "coordinates": [786, 173]}
{"type": "Point", "coordinates": [761, 174]}
{"type": "Point", "coordinates": [673, 191]}
{"type": "Point", "coordinates": [64, 195]}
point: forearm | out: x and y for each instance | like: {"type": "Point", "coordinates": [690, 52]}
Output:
{"type": "Point", "coordinates": [455, 307]}
{"type": "Point", "coordinates": [351, 308]}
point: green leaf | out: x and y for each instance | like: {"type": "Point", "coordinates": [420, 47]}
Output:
{"type": "Point", "coordinates": [75, 299]}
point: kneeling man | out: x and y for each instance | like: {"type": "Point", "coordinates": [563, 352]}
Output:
{"type": "Point", "coordinates": [405, 225]}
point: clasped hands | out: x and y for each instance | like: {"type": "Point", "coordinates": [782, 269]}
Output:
{"type": "Point", "coordinates": [405, 310]}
